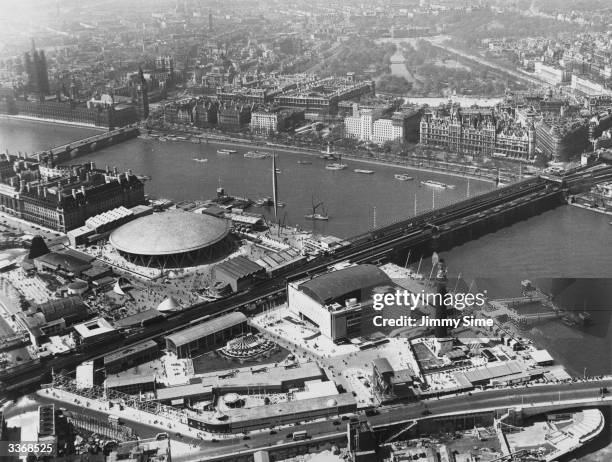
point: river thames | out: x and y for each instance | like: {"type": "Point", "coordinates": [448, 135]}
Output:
{"type": "Point", "coordinates": [561, 250]}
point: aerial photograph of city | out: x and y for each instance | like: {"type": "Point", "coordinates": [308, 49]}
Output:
{"type": "Point", "coordinates": [293, 231]}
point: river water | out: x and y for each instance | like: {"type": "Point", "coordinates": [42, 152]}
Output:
{"type": "Point", "coordinates": [565, 251]}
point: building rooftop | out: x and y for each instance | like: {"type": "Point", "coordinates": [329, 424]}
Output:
{"type": "Point", "coordinates": [331, 286]}
{"type": "Point", "coordinates": [168, 233]}
{"type": "Point", "coordinates": [272, 411]}
{"type": "Point", "coordinates": [199, 331]}
{"type": "Point", "coordinates": [149, 344]}
{"type": "Point", "coordinates": [94, 327]}
{"type": "Point", "coordinates": [238, 267]}
{"type": "Point", "coordinates": [115, 381]}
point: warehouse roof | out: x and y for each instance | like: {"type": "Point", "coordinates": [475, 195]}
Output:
{"type": "Point", "coordinates": [62, 308]}
{"type": "Point", "coordinates": [115, 381]}
{"type": "Point", "coordinates": [199, 331]}
{"type": "Point", "coordinates": [483, 374]}
{"type": "Point", "coordinates": [238, 267]}
{"type": "Point", "coordinates": [331, 286]}
{"type": "Point", "coordinates": [184, 391]}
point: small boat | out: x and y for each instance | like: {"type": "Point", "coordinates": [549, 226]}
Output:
{"type": "Point", "coordinates": [365, 172]}
{"type": "Point", "coordinates": [267, 202]}
{"type": "Point", "coordinates": [225, 152]}
{"type": "Point", "coordinates": [278, 170]}
{"type": "Point", "coordinates": [437, 184]}
{"type": "Point", "coordinates": [304, 162]}
{"type": "Point", "coordinates": [403, 177]}
{"type": "Point", "coordinates": [336, 166]}
{"type": "Point", "coordinates": [255, 155]}
{"type": "Point", "coordinates": [316, 216]}
{"type": "Point", "coordinates": [200, 159]}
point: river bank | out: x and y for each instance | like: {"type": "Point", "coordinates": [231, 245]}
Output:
{"type": "Point", "coordinates": [435, 168]}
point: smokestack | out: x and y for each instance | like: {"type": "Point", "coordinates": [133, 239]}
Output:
{"type": "Point", "coordinates": [92, 166]}
{"type": "Point", "coordinates": [107, 169]}
{"type": "Point", "coordinates": [83, 190]}
{"type": "Point", "coordinates": [115, 170]}
{"type": "Point", "coordinates": [45, 192]}
{"type": "Point", "coordinates": [74, 191]}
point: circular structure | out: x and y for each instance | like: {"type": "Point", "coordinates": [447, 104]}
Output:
{"type": "Point", "coordinates": [171, 239]}
{"type": "Point", "coordinates": [78, 287]}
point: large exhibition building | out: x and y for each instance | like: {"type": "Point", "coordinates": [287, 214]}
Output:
{"type": "Point", "coordinates": [338, 303]}
{"type": "Point", "coordinates": [172, 239]}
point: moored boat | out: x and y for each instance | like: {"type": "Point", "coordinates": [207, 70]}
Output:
{"type": "Point", "coordinates": [437, 184]}
{"type": "Point", "coordinates": [403, 177]}
{"type": "Point", "coordinates": [365, 172]}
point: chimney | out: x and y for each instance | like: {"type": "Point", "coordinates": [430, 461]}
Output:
{"type": "Point", "coordinates": [39, 190]}
{"type": "Point", "coordinates": [107, 169]}
{"type": "Point", "coordinates": [28, 186]}
{"type": "Point", "coordinates": [74, 191]}
{"type": "Point", "coordinates": [12, 181]}
{"type": "Point", "coordinates": [115, 170]}
{"type": "Point", "coordinates": [83, 190]}
{"type": "Point", "coordinates": [59, 194]}
{"type": "Point", "coordinates": [92, 166]}
{"type": "Point", "coordinates": [45, 192]}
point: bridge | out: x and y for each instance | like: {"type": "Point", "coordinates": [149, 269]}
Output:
{"type": "Point", "coordinates": [93, 143]}
{"type": "Point", "coordinates": [417, 236]}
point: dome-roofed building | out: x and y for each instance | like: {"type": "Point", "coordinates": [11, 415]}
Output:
{"type": "Point", "coordinates": [172, 239]}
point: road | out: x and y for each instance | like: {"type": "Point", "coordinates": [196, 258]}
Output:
{"type": "Point", "coordinates": [518, 396]}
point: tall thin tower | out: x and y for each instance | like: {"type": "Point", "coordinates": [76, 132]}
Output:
{"type": "Point", "coordinates": [441, 284]}
{"type": "Point", "coordinates": [274, 188]}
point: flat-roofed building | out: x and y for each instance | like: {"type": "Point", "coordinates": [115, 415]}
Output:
{"type": "Point", "coordinates": [94, 332]}
{"type": "Point", "coordinates": [177, 395]}
{"type": "Point", "coordinates": [131, 384]}
{"type": "Point", "coordinates": [206, 336]}
{"type": "Point", "coordinates": [131, 356]}
{"type": "Point", "coordinates": [336, 302]}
